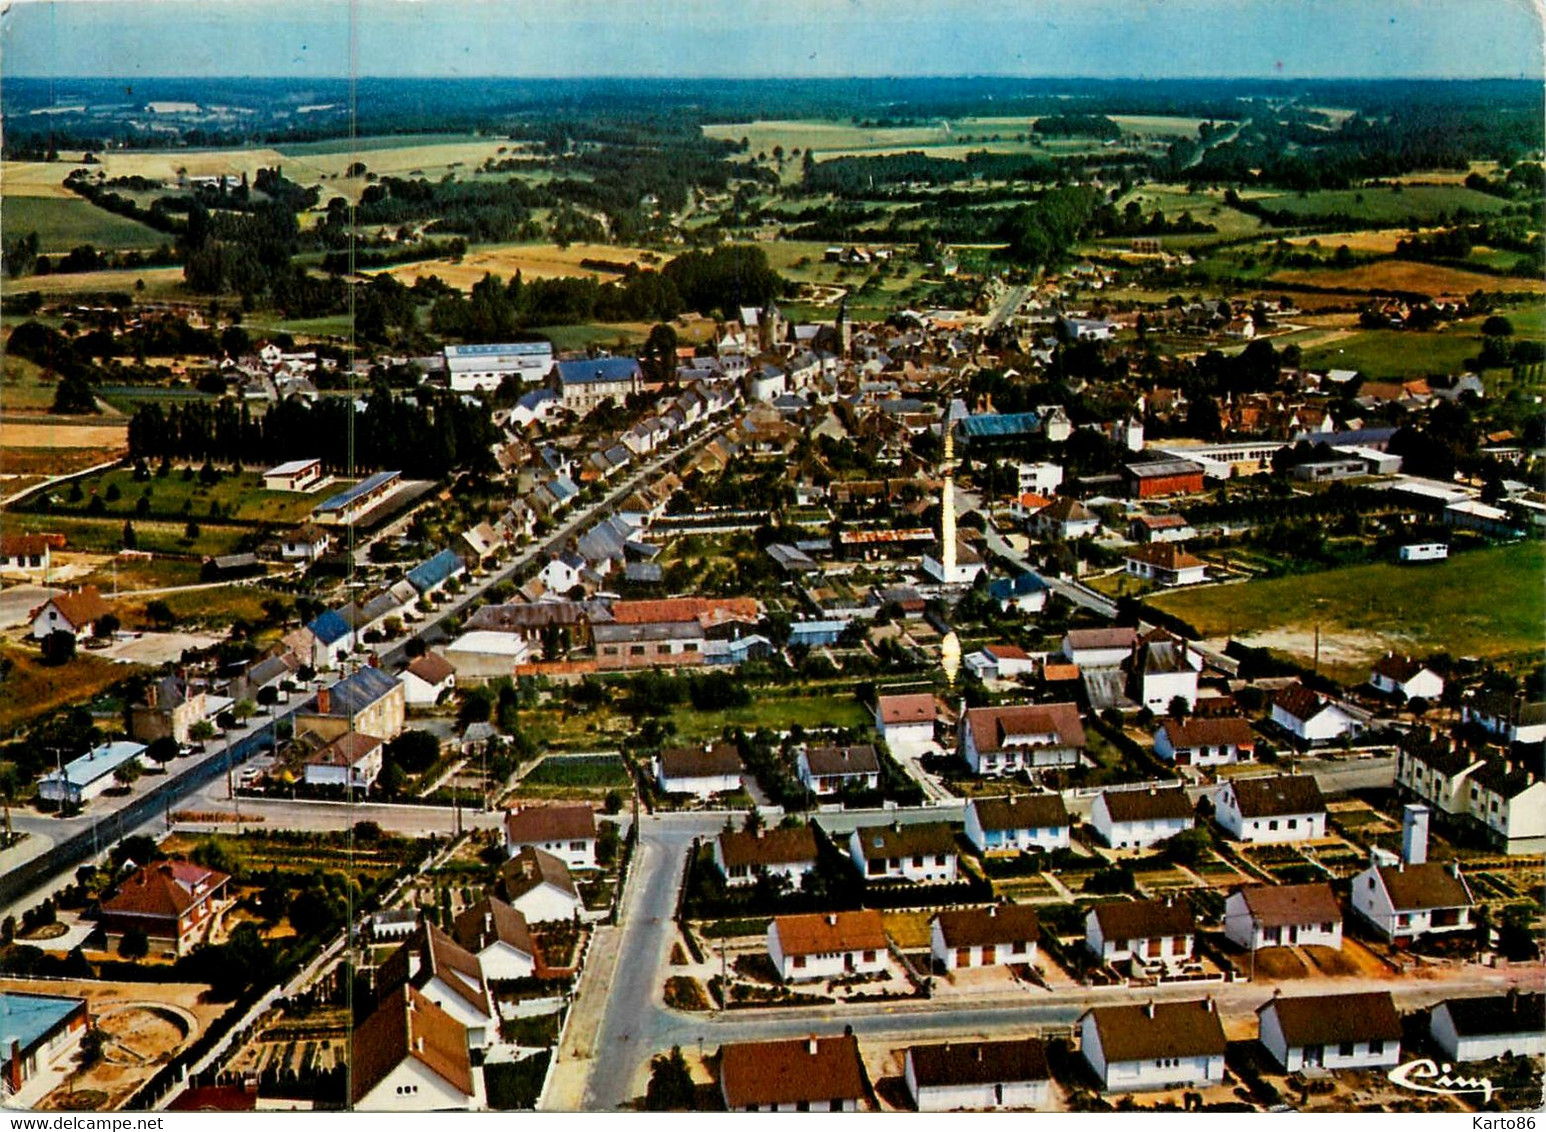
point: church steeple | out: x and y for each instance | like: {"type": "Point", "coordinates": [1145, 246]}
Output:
{"type": "Point", "coordinates": [947, 509]}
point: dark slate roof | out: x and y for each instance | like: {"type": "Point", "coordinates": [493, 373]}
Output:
{"type": "Point", "coordinates": [979, 1063]}
{"type": "Point", "coordinates": [355, 693]}
{"type": "Point", "coordinates": [884, 841]}
{"type": "Point", "coordinates": [1022, 811]}
{"type": "Point", "coordinates": [1498, 1015]}
{"type": "Point", "coordinates": [1147, 805]}
{"type": "Point", "coordinates": [1335, 1018]}
{"type": "Point", "coordinates": [589, 370]}
{"type": "Point", "coordinates": [329, 627]}
{"type": "Point", "coordinates": [429, 574]}
{"type": "Point", "coordinates": [1143, 919]}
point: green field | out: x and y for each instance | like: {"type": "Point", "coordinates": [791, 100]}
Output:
{"type": "Point", "coordinates": [1206, 206]}
{"type": "Point", "coordinates": [1382, 354]}
{"type": "Point", "coordinates": [774, 710]}
{"type": "Point", "coordinates": [1414, 204]}
{"type": "Point", "coordinates": [66, 223]}
{"type": "Point", "coordinates": [105, 535]}
{"type": "Point", "coordinates": [605, 772]}
{"type": "Point", "coordinates": [1481, 603]}
{"type": "Point", "coordinates": [241, 498]}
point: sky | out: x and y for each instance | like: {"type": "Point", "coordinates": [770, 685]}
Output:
{"type": "Point", "coordinates": [773, 38]}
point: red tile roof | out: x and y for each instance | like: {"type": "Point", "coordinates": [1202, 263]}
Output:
{"type": "Point", "coordinates": [993, 727]}
{"type": "Point", "coordinates": [164, 889]}
{"type": "Point", "coordinates": [491, 921]}
{"type": "Point", "coordinates": [405, 1025]}
{"type": "Point", "coordinates": [915, 708]}
{"type": "Point", "coordinates": [828, 933]}
{"type": "Point", "coordinates": [432, 668]}
{"type": "Point", "coordinates": [1276, 906]}
{"type": "Point", "coordinates": [1398, 668]}
{"type": "Point", "coordinates": [706, 611]}
{"type": "Point", "coordinates": [531, 868]}
{"type": "Point", "coordinates": [345, 751]}
{"type": "Point", "coordinates": [1123, 920]}
{"type": "Point", "coordinates": [1218, 731]}
{"type": "Point", "coordinates": [78, 609]}
{"type": "Point", "coordinates": [534, 824]}
{"type": "Point", "coordinates": [429, 952]}
{"type": "Point", "coordinates": [1165, 556]}
{"type": "Point", "coordinates": [1159, 1029]}
{"type": "Point", "coordinates": [813, 1070]}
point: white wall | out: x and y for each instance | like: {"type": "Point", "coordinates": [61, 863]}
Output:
{"type": "Point", "coordinates": [1292, 1058]}
{"type": "Point", "coordinates": [1480, 1048]}
{"type": "Point", "coordinates": [413, 1087]}
{"type": "Point", "coordinates": [545, 904]}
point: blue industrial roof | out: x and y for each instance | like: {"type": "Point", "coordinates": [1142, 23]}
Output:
{"type": "Point", "coordinates": [364, 487]}
{"type": "Point", "coordinates": [329, 627]}
{"type": "Point", "coordinates": [489, 349]}
{"type": "Point", "coordinates": [97, 763]}
{"type": "Point", "coordinates": [598, 369]}
{"type": "Point", "coordinates": [28, 1019]}
{"type": "Point", "coordinates": [357, 692]}
{"type": "Point", "coordinates": [1000, 424]}
{"type": "Point", "coordinates": [427, 575]}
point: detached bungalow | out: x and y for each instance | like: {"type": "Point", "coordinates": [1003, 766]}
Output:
{"type": "Point", "coordinates": [798, 1075]}
{"type": "Point", "coordinates": [1006, 740]}
{"type": "Point", "coordinates": [1205, 742]}
{"type": "Point", "coordinates": [1160, 1045]}
{"type": "Point", "coordinates": [1311, 717]}
{"type": "Point", "coordinates": [1020, 821]}
{"type": "Point", "coordinates": [984, 937]}
{"type": "Point", "coordinates": [906, 718]}
{"type": "Point", "coordinates": [1099, 648]}
{"type": "Point", "coordinates": [978, 1075]}
{"type": "Point", "coordinates": [448, 975]}
{"type": "Point", "coordinates": [743, 856]}
{"type": "Point", "coordinates": [1333, 1031]}
{"type": "Point", "coordinates": [74, 613]}
{"type": "Point", "coordinates": [1136, 819]}
{"type": "Point", "coordinates": [1000, 662]}
{"type": "Point", "coordinates": [1282, 807]}
{"type": "Point", "coordinates": [831, 770]}
{"type": "Point", "coordinates": [827, 946]}
{"type": "Point", "coordinates": [714, 768]}
{"type": "Point", "coordinates": [918, 852]}
{"type": "Point", "coordinates": [499, 936]}
{"type": "Point", "coordinates": [411, 1056]}
{"type": "Point", "coordinates": [1258, 916]}
{"type": "Point", "coordinates": [1402, 676]}
{"type": "Point", "coordinates": [1166, 564]}
{"type": "Point", "coordinates": [1141, 930]}
{"type": "Point", "coordinates": [1403, 902]}
{"type": "Point", "coordinates": [539, 886]}
{"type": "Point", "coordinates": [427, 679]}
{"type": "Point", "coordinates": [567, 832]}
{"type": "Point", "coordinates": [1480, 1029]}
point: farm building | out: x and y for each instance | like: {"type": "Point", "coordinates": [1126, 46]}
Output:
{"type": "Point", "coordinates": [1163, 477]}
{"type": "Point", "coordinates": [351, 503]}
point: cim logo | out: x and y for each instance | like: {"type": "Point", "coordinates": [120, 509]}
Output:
{"type": "Point", "coordinates": [1411, 1074]}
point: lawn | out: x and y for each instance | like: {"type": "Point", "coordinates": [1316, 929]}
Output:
{"type": "Point", "coordinates": [775, 710]}
{"type": "Point", "coordinates": [28, 688]}
{"type": "Point", "coordinates": [1383, 207]}
{"type": "Point", "coordinates": [1206, 207]}
{"type": "Point", "coordinates": [105, 535]}
{"type": "Point", "coordinates": [1482, 603]}
{"type": "Point", "coordinates": [216, 607]}
{"type": "Point", "coordinates": [241, 498]}
{"type": "Point", "coordinates": [1397, 353]}
{"type": "Point", "coordinates": [1406, 275]}
{"type": "Point", "coordinates": [63, 224]}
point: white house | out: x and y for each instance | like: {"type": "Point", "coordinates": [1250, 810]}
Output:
{"type": "Point", "coordinates": [352, 761]}
{"type": "Point", "coordinates": [1507, 798]}
{"type": "Point", "coordinates": [978, 1076]}
{"type": "Point", "coordinates": [448, 975]}
{"type": "Point", "coordinates": [1509, 718]}
{"type": "Point", "coordinates": [795, 1075]}
{"type": "Point", "coordinates": [1161, 670]}
{"type": "Point", "coordinates": [1001, 662]}
{"type": "Point", "coordinates": [499, 936]}
{"type": "Point", "coordinates": [305, 543]}
{"type": "Point", "coordinates": [539, 886]}
{"type": "Point", "coordinates": [1275, 808]}
{"type": "Point", "coordinates": [1065, 518]}
{"type": "Point", "coordinates": [567, 832]}
{"type": "Point", "coordinates": [426, 679]}
{"type": "Point", "coordinates": [1143, 931]}
{"type": "Point", "coordinates": [1214, 741]}
{"type": "Point", "coordinates": [1289, 915]}
{"type": "Point", "coordinates": [1158, 1045]}
{"type": "Point", "coordinates": [961, 938]}
{"type": "Point", "coordinates": [1099, 648]}
{"type": "Point", "coordinates": [411, 1056]}
{"type": "Point", "coordinates": [831, 770]}
{"type": "Point", "coordinates": [1332, 1031]}
{"type": "Point", "coordinates": [714, 768]}
{"type": "Point", "coordinates": [1311, 717]}
{"type": "Point", "coordinates": [1480, 1029]}
{"type": "Point", "coordinates": [1137, 819]}
{"type": "Point", "coordinates": [1023, 822]}
{"type": "Point", "coordinates": [1042, 478]}
{"type": "Point", "coordinates": [827, 945]}
{"type": "Point", "coordinates": [743, 855]}
{"type": "Point", "coordinates": [906, 719]}
{"type": "Point", "coordinates": [75, 613]}
{"type": "Point", "coordinates": [562, 572]}
{"type": "Point", "coordinates": [1405, 901]}
{"type": "Point", "coordinates": [1402, 676]}
{"type": "Point", "coordinates": [1166, 564]}
{"type": "Point", "coordinates": [1005, 740]}
{"type": "Point", "coordinates": [918, 852]}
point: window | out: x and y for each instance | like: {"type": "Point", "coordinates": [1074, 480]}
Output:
{"type": "Point", "coordinates": [635, 650]}
{"type": "Point", "coordinates": [917, 862]}
{"type": "Point", "coordinates": [1345, 1049]}
{"type": "Point", "coordinates": [1272, 825]}
{"type": "Point", "coordinates": [1293, 823]}
{"type": "Point", "coordinates": [869, 957]}
{"type": "Point", "coordinates": [1377, 1046]}
{"type": "Point", "coordinates": [799, 962]}
{"type": "Point", "coordinates": [802, 1106]}
{"type": "Point", "coordinates": [577, 846]}
{"type": "Point", "coordinates": [663, 650]}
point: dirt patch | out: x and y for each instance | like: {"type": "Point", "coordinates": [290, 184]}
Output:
{"type": "Point", "coordinates": [1397, 275]}
{"type": "Point", "coordinates": [1379, 243]}
{"type": "Point", "coordinates": [1277, 963]}
{"type": "Point", "coordinates": [110, 436]}
{"type": "Point", "coordinates": [909, 930]}
{"type": "Point", "coordinates": [1338, 645]}
{"type": "Point", "coordinates": [533, 261]}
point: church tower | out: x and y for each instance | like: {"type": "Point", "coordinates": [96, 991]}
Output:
{"type": "Point", "coordinates": [947, 511]}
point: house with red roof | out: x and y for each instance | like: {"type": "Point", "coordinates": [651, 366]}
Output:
{"type": "Point", "coordinates": [1031, 737]}
{"type": "Point", "coordinates": [411, 1056]}
{"type": "Point", "coordinates": [175, 903]}
{"type": "Point", "coordinates": [75, 613]}
{"type": "Point", "coordinates": [906, 718]}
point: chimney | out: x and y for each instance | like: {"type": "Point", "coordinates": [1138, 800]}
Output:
{"type": "Point", "coordinates": [1148, 1009]}
{"type": "Point", "coordinates": [810, 1045]}
{"type": "Point", "coordinates": [1207, 1004]}
{"type": "Point", "coordinates": [418, 1043]}
{"type": "Point", "coordinates": [488, 922]}
{"type": "Point", "coordinates": [1453, 868]}
{"type": "Point", "coordinates": [1414, 834]}
{"type": "Point", "coordinates": [152, 693]}
{"type": "Point", "coordinates": [759, 832]}
{"type": "Point", "coordinates": [992, 911]}
{"type": "Point", "coordinates": [324, 701]}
